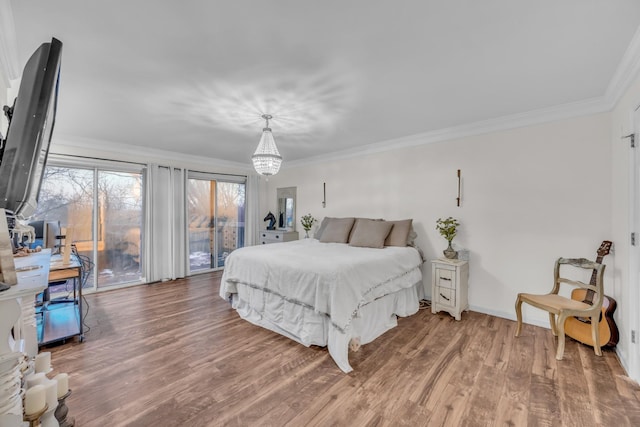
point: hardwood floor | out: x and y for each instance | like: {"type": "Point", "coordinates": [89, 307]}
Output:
{"type": "Point", "coordinates": [176, 354]}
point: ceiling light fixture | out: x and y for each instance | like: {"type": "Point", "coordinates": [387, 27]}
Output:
{"type": "Point", "coordinates": [267, 159]}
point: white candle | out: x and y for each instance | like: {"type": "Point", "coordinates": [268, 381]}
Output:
{"type": "Point", "coordinates": [34, 400]}
{"type": "Point", "coordinates": [43, 362]}
{"type": "Point", "coordinates": [51, 393]}
{"type": "Point", "coordinates": [35, 379]}
{"type": "Point", "coordinates": [63, 384]}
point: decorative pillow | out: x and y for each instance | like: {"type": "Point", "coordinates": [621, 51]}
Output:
{"type": "Point", "coordinates": [355, 224]}
{"type": "Point", "coordinates": [323, 225]}
{"type": "Point", "coordinates": [369, 233]}
{"type": "Point", "coordinates": [399, 235]}
{"type": "Point", "coordinates": [337, 230]}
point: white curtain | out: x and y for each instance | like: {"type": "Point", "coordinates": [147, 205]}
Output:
{"type": "Point", "coordinates": [180, 252]}
{"type": "Point", "coordinates": [165, 239]}
{"type": "Point", "coordinates": [253, 209]}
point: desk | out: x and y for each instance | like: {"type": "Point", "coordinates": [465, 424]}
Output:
{"type": "Point", "coordinates": [62, 320]}
{"type": "Point", "coordinates": [59, 271]}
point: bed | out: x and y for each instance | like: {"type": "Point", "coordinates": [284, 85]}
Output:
{"type": "Point", "coordinates": [324, 293]}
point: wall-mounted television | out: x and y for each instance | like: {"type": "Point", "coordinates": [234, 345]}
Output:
{"type": "Point", "coordinates": [23, 154]}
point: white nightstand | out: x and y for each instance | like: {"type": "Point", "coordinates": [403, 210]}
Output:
{"type": "Point", "coordinates": [449, 284]}
{"type": "Point", "coordinates": [277, 236]}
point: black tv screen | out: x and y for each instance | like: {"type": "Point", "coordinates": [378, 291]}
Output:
{"type": "Point", "coordinates": [31, 120]}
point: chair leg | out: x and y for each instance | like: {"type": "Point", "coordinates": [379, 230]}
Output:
{"type": "Point", "coordinates": [595, 335]}
{"type": "Point", "coordinates": [552, 322]}
{"type": "Point", "coordinates": [560, 329]}
{"type": "Point", "coordinates": [518, 316]}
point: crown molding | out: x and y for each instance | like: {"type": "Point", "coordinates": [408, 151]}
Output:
{"type": "Point", "coordinates": [64, 144]}
{"type": "Point", "coordinates": [8, 45]}
{"type": "Point", "coordinates": [626, 73]}
{"type": "Point", "coordinates": [513, 121]}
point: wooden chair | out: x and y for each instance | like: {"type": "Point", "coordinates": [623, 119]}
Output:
{"type": "Point", "coordinates": [562, 307]}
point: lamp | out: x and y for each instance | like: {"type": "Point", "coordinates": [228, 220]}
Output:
{"type": "Point", "coordinates": [267, 159]}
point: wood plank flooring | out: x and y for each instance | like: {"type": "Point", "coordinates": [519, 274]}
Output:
{"type": "Point", "coordinates": [176, 354]}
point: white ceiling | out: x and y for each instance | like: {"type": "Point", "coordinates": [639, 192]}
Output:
{"type": "Point", "coordinates": [195, 76]}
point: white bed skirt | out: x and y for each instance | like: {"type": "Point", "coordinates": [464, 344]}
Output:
{"type": "Point", "coordinates": [302, 324]}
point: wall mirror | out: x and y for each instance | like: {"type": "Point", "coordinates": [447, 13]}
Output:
{"type": "Point", "coordinates": [286, 217]}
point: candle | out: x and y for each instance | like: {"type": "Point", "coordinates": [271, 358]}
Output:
{"type": "Point", "coordinates": [34, 400]}
{"type": "Point", "coordinates": [43, 362]}
{"type": "Point", "coordinates": [51, 393]}
{"type": "Point", "coordinates": [63, 384]}
{"type": "Point", "coordinates": [35, 379]}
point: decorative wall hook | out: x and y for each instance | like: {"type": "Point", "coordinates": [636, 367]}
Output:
{"type": "Point", "coordinates": [458, 199]}
{"type": "Point", "coordinates": [324, 194]}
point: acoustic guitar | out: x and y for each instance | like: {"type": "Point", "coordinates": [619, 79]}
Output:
{"type": "Point", "coordinates": [579, 328]}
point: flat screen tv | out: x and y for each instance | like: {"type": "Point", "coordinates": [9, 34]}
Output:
{"type": "Point", "coordinates": [23, 154]}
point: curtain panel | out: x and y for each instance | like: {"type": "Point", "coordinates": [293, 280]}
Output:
{"type": "Point", "coordinates": [165, 240]}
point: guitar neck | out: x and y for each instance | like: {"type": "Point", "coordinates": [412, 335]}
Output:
{"type": "Point", "coordinates": [590, 293]}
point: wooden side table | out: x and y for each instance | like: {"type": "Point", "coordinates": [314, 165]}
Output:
{"type": "Point", "coordinates": [449, 284]}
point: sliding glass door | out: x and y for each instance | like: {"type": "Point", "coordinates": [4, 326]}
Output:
{"type": "Point", "coordinates": [216, 219]}
{"type": "Point", "coordinates": [103, 212]}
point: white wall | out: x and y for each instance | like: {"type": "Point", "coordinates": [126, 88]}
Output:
{"type": "Point", "coordinates": [530, 195]}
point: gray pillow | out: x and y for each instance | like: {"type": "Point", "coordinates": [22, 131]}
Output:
{"type": "Point", "coordinates": [370, 234]}
{"type": "Point", "coordinates": [399, 235]}
{"type": "Point", "coordinates": [355, 224]}
{"type": "Point", "coordinates": [337, 230]}
{"type": "Point", "coordinates": [323, 225]}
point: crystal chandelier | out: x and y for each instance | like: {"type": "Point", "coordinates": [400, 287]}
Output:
{"type": "Point", "coordinates": [267, 159]}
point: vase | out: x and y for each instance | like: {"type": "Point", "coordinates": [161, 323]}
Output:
{"type": "Point", "coordinates": [306, 234]}
{"type": "Point", "coordinates": [449, 253]}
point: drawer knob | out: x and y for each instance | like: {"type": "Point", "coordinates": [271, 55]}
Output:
{"type": "Point", "coordinates": [277, 236]}
{"type": "Point", "coordinates": [445, 297]}
{"type": "Point", "coordinates": [445, 278]}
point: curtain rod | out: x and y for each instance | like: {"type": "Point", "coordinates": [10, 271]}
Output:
{"type": "Point", "coordinates": [98, 158]}
{"type": "Point", "coordinates": [144, 164]}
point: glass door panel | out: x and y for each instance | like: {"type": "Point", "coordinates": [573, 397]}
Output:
{"type": "Point", "coordinates": [66, 197]}
{"type": "Point", "coordinates": [230, 222]}
{"type": "Point", "coordinates": [216, 212]}
{"type": "Point", "coordinates": [201, 232]}
{"type": "Point", "coordinates": [120, 221]}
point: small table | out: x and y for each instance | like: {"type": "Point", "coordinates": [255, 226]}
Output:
{"type": "Point", "coordinates": [62, 320]}
{"type": "Point", "coordinates": [449, 282]}
{"type": "Point", "coordinates": [277, 236]}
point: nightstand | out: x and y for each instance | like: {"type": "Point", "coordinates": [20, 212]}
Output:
{"type": "Point", "coordinates": [277, 236]}
{"type": "Point", "coordinates": [449, 284]}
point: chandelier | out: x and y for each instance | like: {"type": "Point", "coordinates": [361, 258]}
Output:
{"type": "Point", "coordinates": [267, 159]}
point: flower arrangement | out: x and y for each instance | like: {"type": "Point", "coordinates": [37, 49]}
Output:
{"type": "Point", "coordinates": [307, 221]}
{"type": "Point", "coordinates": [447, 228]}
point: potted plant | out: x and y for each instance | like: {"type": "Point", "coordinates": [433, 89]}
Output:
{"type": "Point", "coordinates": [448, 228]}
{"type": "Point", "coordinates": [307, 222]}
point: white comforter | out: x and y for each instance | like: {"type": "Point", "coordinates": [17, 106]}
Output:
{"type": "Point", "coordinates": [330, 278]}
